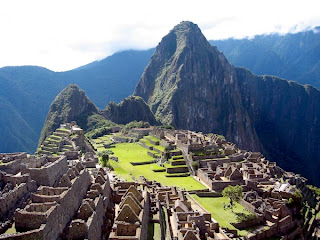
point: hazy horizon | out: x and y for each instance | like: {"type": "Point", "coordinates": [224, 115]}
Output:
{"type": "Point", "coordinates": [63, 35]}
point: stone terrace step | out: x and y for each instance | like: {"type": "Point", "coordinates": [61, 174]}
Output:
{"type": "Point", "coordinates": [65, 131]}
{"type": "Point", "coordinates": [69, 147]}
{"type": "Point", "coordinates": [55, 137]}
{"type": "Point", "coordinates": [177, 162]}
{"type": "Point", "coordinates": [45, 152]}
{"type": "Point", "coordinates": [60, 134]}
{"type": "Point", "coordinates": [49, 149]}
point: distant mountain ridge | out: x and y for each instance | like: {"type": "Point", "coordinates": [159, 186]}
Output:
{"type": "Point", "coordinates": [189, 84]}
{"type": "Point", "coordinates": [27, 92]}
{"type": "Point", "coordinates": [293, 56]}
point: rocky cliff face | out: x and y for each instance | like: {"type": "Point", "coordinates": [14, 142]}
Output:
{"type": "Point", "coordinates": [190, 84]}
{"type": "Point", "coordinates": [71, 104]}
{"type": "Point", "coordinates": [286, 116]}
{"type": "Point", "coordinates": [132, 108]}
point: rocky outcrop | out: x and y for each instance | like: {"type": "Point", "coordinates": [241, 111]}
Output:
{"type": "Point", "coordinates": [71, 104]}
{"type": "Point", "coordinates": [189, 84]}
{"type": "Point", "coordinates": [132, 108]}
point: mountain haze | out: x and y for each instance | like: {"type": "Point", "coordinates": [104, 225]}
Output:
{"type": "Point", "coordinates": [188, 83]}
{"type": "Point", "coordinates": [293, 56]}
{"type": "Point", "coordinates": [27, 92]}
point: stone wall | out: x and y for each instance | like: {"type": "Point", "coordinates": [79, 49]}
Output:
{"type": "Point", "coordinates": [8, 201]}
{"type": "Point", "coordinates": [247, 205]}
{"type": "Point", "coordinates": [96, 221]}
{"type": "Point", "coordinates": [216, 161]}
{"type": "Point", "coordinates": [267, 233]}
{"type": "Point", "coordinates": [49, 175]}
{"type": "Point", "coordinates": [70, 204]}
{"type": "Point", "coordinates": [29, 235]}
{"type": "Point", "coordinates": [177, 170]}
{"type": "Point", "coordinates": [59, 215]}
{"type": "Point", "coordinates": [249, 223]}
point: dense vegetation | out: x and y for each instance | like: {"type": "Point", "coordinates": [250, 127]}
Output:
{"type": "Point", "coordinates": [129, 109]}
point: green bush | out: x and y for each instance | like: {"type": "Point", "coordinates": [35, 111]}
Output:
{"type": "Point", "coordinates": [195, 165]}
{"type": "Point", "coordinates": [245, 216]}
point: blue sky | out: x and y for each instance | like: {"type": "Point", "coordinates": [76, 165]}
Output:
{"type": "Point", "coordinates": [62, 35]}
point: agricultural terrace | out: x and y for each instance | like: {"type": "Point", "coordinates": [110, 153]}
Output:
{"type": "Point", "coordinates": [100, 141]}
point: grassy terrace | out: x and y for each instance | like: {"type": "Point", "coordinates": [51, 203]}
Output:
{"type": "Point", "coordinates": [149, 144]}
{"type": "Point", "coordinates": [100, 141]}
{"type": "Point", "coordinates": [223, 216]}
{"type": "Point", "coordinates": [152, 138]}
{"type": "Point", "coordinates": [131, 152]}
{"type": "Point", "coordinates": [159, 147]}
{"type": "Point", "coordinates": [146, 142]}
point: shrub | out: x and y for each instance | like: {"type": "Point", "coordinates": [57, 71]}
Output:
{"type": "Point", "coordinates": [195, 165]}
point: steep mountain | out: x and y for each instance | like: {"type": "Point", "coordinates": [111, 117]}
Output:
{"type": "Point", "coordinates": [286, 117]}
{"type": "Point", "coordinates": [130, 109]}
{"type": "Point", "coordinates": [71, 104]}
{"type": "Point", "coordinates": [189, 84]}
{"type": "Point", "coordinates": [293, 56]}
{"type": "Point", "coordinates": [16, 134]}
{"type": "Point", "coordinates": [27, 92]}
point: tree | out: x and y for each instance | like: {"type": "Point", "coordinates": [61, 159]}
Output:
{"type": "Point", "coordinates": [234, 193]}
{"type": "Point", "coordinates": [104, 158]}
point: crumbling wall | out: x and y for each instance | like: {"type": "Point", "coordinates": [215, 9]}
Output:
{"type": "Point", "coordinates": [49, 175]}
{"type": "Point", "coordinates": [22, 186]}
{"type": "Point", "coordinates": [96, 221]}
{"type": "Point", "coordinates": [69, 205]}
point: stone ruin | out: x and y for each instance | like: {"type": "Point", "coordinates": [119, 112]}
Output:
{"type": "Point", "coordinates": [59, 200]}
{"type": "Point", "coordinates": [70, 196]}
{"type": "Point", "coordinates": [66, 140]}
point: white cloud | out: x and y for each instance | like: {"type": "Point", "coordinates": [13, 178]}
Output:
{"type": "Point", "coordinates": [62, 35]}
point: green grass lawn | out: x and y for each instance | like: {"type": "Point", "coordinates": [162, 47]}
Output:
{"type": "Point", "coordinates": [130, 152]}
{"type": "Point", "coordinates": [146, 142]}
{"type": "Point", "coordinates": [154, 231]}
{"type": "Point", "coordinates": [152, 138]}
{"type": "Point", "coordinates": [223, 216]}
{"type": "Point", "coordinates": [159, 147]}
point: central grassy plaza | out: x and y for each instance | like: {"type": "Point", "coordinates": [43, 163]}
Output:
{"type": "Point", "coordinates": [132, 152]}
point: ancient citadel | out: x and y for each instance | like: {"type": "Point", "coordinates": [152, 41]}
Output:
{"type": "Point", "coordinates": [63, 192]}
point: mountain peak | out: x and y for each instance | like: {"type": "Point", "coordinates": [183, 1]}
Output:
{"type": "Point", "coordinates": [186, 26]}
{"type": "Point", "coordinates": [186, 83]}
{"type": "Point", "coordinates": [69, 105]}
